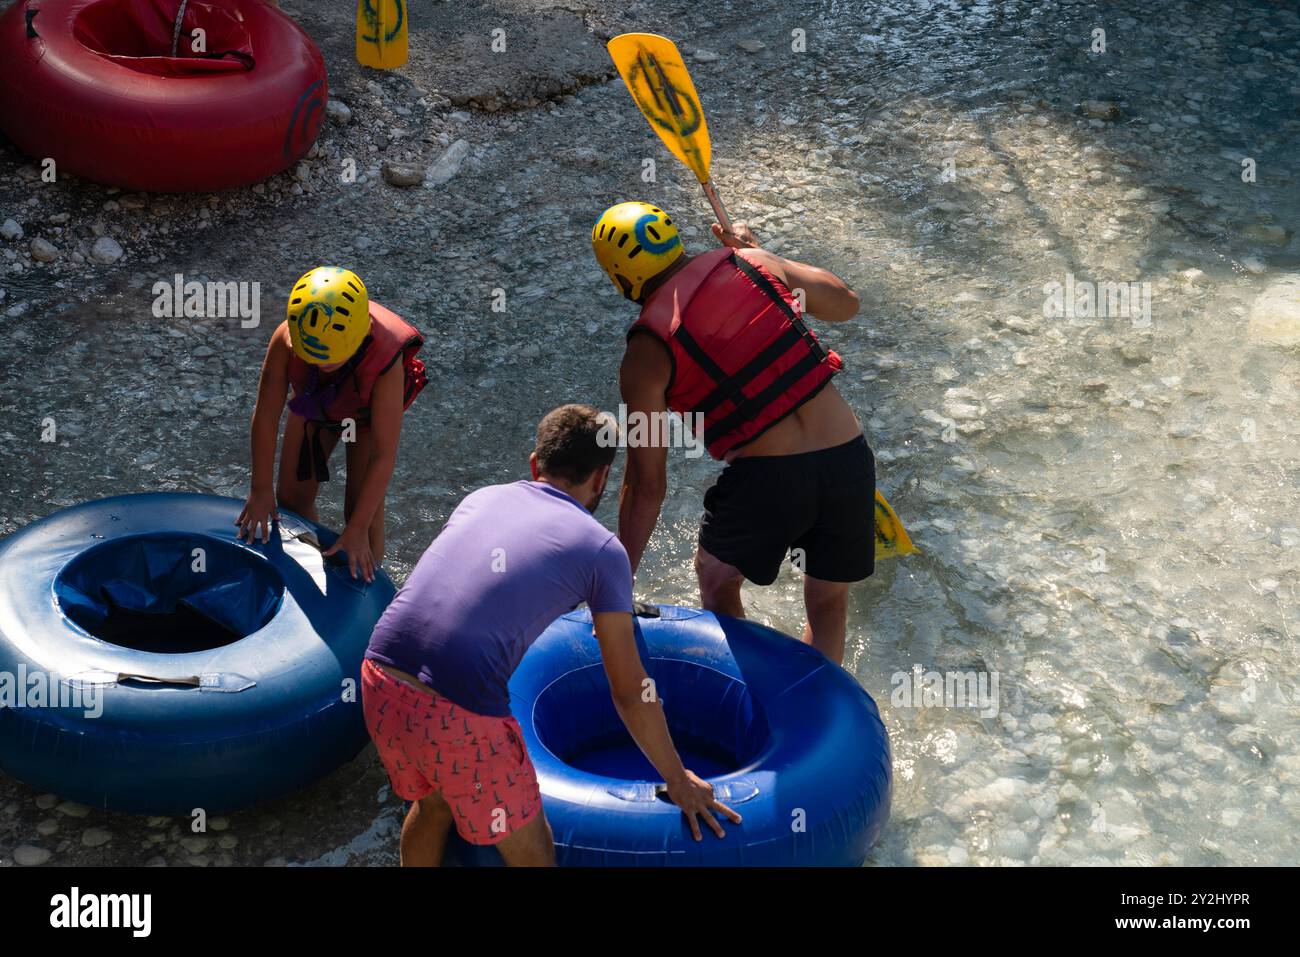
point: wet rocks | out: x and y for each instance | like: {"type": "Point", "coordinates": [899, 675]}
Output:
{"type": "Point", "coordinates": [999, 793]}
{"type": "Point", "coordinates": [1275, 313]}
{"type": "Point", "coordinates": [44, 251]}
{"type": "Point", "coordinates": [95, 837]}
{"type": "Point", "coordinates": [1026, 327]}
{"type": "Point", "coordinates": [73, 809]}
{"type": "Point", "coordinates": [1100, 110]}
{"type": "Point", "coordinates": [1267, 234]}
{"type": "Point", "coordinates": [402, 174]}
{"type": "Point", "coordinates": [1233, 694]}
{"type": "Point", "coordinates": [1135, 353]}
{"type": "Point", "coordinates": [10, 230]}
{"type": "Point", "coordinates": [751, 45]}
{"type": "Point", "coordinates": [195, 845]}
{"type": "Point", "coordinates": [962, 404]}
{"type": "Point", "coordinates": [28, 855]}
{"type": "Point", "coordinates": [105, 251]}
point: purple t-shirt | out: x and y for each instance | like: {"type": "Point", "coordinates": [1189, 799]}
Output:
{"type": "Point", "coordinates": [509, 561]}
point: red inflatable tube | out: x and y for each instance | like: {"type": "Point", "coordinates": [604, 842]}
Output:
{"type": "Point", "coordinates": [93, 84]}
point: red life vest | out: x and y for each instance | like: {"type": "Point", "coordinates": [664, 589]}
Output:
{"type": "Point", "coordinates": [347, 394]}
{"type": "Point", "coordinates": [742, 357]}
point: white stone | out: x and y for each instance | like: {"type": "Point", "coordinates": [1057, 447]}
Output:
{"type": "Point", "coordinates": [105, 251]}
{"type": "Point", "coordinates": [448, 164]}
{"type": "Point", "coordinates": [339, 112]}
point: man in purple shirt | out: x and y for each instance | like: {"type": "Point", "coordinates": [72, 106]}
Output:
{"type": "Point", "coordinates": [510, 560]}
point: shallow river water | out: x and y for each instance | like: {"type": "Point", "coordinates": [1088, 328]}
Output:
{"type": "Point", "coordinates": [1106, 505]}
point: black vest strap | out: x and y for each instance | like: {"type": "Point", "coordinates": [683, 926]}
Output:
{"type": "Point", "coordinates": [759, 280]}
{"type": "Point", "coordinates": [731, 387]}
{"type": "Point", "coordinates": [751, 407]}
{"type": "Point", "coordinates": [749, 372]}
{"type": "Point", "coordinates": [711, 369]}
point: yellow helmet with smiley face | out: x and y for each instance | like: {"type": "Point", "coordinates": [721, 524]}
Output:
{"type": "Point", "coordinates": [329, 315]}
{"type": "Point", "coordinates": [634, 242]}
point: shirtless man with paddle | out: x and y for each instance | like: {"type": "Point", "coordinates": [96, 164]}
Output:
{"type": "Point", "coordinates": [721, 340]}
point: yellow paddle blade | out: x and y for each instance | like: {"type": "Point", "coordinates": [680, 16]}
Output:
{"type": "Point", "coordinates": [891, 537]}
{"type": "Point", "coordinates": [662, 89]}
{"type": "Point", "coordinates": [381, 33]}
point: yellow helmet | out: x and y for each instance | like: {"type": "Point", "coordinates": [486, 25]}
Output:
{"type": "Point", "coordinates": [633, 243]}
{"type": "Point", "coordinates": [329, 315]}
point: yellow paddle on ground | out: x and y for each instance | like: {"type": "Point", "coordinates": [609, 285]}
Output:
{"type": "Point", "coordinates": [381, 33]}
{"type": "Point", "coordinates": [663, 91]}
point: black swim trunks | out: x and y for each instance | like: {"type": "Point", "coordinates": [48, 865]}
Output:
{"type": "Point", "coordinates": [820, 506]}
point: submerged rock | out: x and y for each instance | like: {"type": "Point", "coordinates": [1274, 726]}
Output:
{"type": "Point", "coordinates": [1275, 314]}
{"type": "Point", "coordinates": [1100, 110]}
{"type": "Point", "coordinates": [1268, 234]}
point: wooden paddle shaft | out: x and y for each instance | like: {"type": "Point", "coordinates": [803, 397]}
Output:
{"type": "Point", "coordinates": [718, 209]}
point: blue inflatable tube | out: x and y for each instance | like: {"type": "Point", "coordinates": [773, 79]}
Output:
{"type": "Point", "coordinates": [788, 739]}
{"type": "Point", "coordinates": [151, 663]}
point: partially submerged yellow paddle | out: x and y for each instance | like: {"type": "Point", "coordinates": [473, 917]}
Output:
{"type": "Point", "coordinates": [891, 537]}
{"type": "Point", "coordinates": [381, 33]}
{"type": "Point", "coordinates": [663, 91]}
